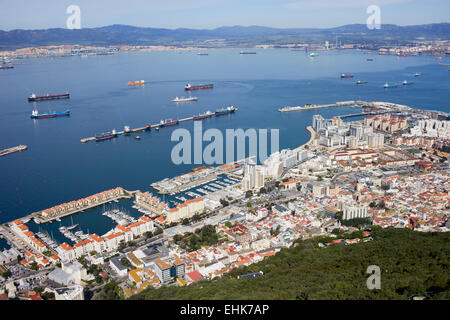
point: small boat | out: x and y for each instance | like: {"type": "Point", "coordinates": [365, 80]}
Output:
{"type": "Point", "coordinates": [361, 82]}
{"type": "Point", "coordinates": [369, 59]}
{"type": "Point", "coordinates": [202, 54]}
{"type": "Point", "coordinates": [417, 74]}
{"type": "Point", "coordinates": [313, 54]}
{"type": "Point", "coordinates": [407, 82]}
{"type": "Point", "coordinates": [343, 76]}
{"type": "Point", "coordinates": [138, 137]}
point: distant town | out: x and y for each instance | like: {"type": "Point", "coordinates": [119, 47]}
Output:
{"type": "Point", "coordinates": [419, 47]}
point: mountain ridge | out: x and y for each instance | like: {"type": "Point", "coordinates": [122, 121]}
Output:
{"type": "Point", "coordinates": [125, 34]}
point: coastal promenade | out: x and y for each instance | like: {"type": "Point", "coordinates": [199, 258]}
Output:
{"type": "Point", "coordinates": [311, 138]}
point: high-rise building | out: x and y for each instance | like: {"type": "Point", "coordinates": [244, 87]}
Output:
{"type": "Point", "coordinates": [318, 122]}
{"type": "Point", "coordinates": [375, 140]}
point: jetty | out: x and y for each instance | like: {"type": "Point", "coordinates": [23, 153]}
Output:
{"type": "Point", "coordinates": [157, 125]}
{"type": "Point", "coordinates": [355, 104]}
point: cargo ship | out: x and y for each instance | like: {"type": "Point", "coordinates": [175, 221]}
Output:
{"type": "Point", "coordinates": [106, 136]}
{"type": "Point", "coordinates": [168, 122]}
{"type": "Point", "coordinates": [226, 110]}
{"type": "Point", "coordinates": [36, 115]}
{"type": "Point", "coordinates": [136, 83]}
{"type": "Point", "coordinates": [387, 85]}
{"type": "Point", "coordinates": [201, 116]}
{"type": "Point", "coordinates": [203, 86]}
{"type": "Point", "coordinates": [33, 97]}
{"type": "Point", "coordinates": [7, 151]}
{"type": "Point", "coordinates": [343, 75]}
{"type": "Point", "coordinates": [185, 99]}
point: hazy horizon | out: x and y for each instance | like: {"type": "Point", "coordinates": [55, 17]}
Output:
{"type": "Point", "coordinates": [211, 14]}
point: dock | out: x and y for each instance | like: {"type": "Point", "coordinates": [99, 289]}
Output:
{"type": "Point", "coordinates": [319, 106]}
{"type": "Point", "coordinates": [15, 149]}
{"type": "Point", "coordinates": [158, 125]}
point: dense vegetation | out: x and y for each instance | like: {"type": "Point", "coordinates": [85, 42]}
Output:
{"type": "Point", "coordinates": [205, 236]}
{"type": "Point", "coordinates": [411, 262]}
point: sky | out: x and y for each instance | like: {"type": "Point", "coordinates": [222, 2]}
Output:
{"type": "Point", "coordinates": [209, 14]}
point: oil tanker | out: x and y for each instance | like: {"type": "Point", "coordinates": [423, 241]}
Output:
{"type": "Point", "coordinates": [188, 87]}
{"type": "Point", "coordinates": [106, 136]}
{"type": "Point", "coordinates": [202, 116]}
{"type": "Point", "coordinates": [33, 97]}
{"type": "Point", "coordinates": [36, 115]}
{"type": "Point", "coordinates": [226, 110]}
{"type": "Point", "coordinates": [169, 122]}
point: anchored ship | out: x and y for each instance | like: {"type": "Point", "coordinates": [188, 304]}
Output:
{"type": "Point", "coordinates": [168, 122]}
{"type": "Point", "coordinates": [387, 85]}
{"type": "Point", "coordinates": [226, 110]}
{"type": "Point", "coordinates": [201, 116]}
{"type": "Point", "coordinates": [33, 97]}
{"type": "Point", "coordinates": [106, 136]}
{"type": "Point", "coordinates": [182, 99]}
{"type": "Point", "coordinates": [346, 76]}
{"type": "Point", "coordinates": [203, 86]}
{"type": "Point", "coordinates": [36, 115]}
{"type": "Point", "coordinates": [4, 152]}
{"type": "Point", "coordinates": [128, 131]}
{"type": "Point", "coordinates": [136, 83]}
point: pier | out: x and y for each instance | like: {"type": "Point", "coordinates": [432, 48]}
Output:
{"type": "Point", "coordinates": [319, 106]}
{"type": "Point", "coordinates": [158, 125]}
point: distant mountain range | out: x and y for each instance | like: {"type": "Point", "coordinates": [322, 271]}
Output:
{"type": "Point", "coordinates": [122, 34]}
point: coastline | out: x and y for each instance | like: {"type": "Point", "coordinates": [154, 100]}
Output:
{"type": "Point", "coordinates": [311, 138]}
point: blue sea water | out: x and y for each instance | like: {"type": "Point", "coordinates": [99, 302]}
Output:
{"type": "Point", "coordinates": [58, 168]}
